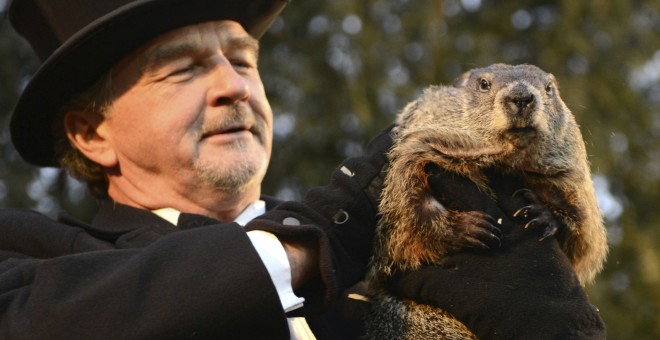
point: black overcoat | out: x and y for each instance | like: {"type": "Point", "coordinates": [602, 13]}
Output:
{"type": "Point", "coordinates": [132, 275]}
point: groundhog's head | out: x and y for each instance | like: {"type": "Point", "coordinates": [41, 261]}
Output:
{"type": "Point", "coordinates": [521, 105]}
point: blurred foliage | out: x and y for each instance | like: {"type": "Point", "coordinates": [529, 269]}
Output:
{"type": "Point", "coordinates": [337, 72]}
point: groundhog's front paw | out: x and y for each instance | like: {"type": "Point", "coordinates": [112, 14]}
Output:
{"type": "Point", "coordinates": [536, 214]}
{"type": "Point", "coordinates": [474, 229]}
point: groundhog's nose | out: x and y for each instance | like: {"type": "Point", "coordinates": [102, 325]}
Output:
{"type": "Point", "coordinates": [520, 104]}
{"type": "Point", "coordinates": [523, 102]}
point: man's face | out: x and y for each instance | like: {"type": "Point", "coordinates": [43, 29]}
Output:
{"type": "Point", "coordinates": [191, 117]}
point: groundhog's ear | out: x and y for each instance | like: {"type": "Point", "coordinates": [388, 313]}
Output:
{"type": "Point", "coordinates": [552, 79]}
{"type": "Point", "coordinates": [462, 80]}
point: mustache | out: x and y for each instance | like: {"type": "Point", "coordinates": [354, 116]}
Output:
{"type": "Point", "coordinates": [238, 116]}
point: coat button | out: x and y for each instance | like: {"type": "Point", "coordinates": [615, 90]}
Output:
{"type": "Point", "coordinates": [291, 221]}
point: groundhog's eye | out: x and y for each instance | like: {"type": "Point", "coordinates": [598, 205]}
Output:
{"type": "Point", "coordinates": [549, 89]}
{"type": "Point", "coordinates": [484, 85]}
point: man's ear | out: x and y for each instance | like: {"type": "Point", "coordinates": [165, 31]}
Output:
{"type": "Point", "coordinates": [89, 134]}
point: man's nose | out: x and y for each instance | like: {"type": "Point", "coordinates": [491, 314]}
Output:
{"type": "Point", "coordinates": [227, 86]}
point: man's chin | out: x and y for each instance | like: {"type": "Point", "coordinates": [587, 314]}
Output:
{"type": "Point", "coordinates": [229, 174]}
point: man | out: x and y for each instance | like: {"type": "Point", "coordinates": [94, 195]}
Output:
{"type": "Point", "coordinates": [159, 107]}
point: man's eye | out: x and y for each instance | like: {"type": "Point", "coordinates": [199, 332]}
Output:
{"type": "Point", "coordinates": [183, 73]}
{"type": "Point", "coordinates": [183, 70]}
{"type": "Point", "coordinates": [242, 63]}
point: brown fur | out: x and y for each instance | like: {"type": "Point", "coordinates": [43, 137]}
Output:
{"type": "Point", "coordinates": [465, 129]}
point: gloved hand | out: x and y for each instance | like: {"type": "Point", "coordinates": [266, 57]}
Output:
{"type": "Point", "coordinates": [525, 289]}
{"type": "Point", "coordinates": [342, 216]}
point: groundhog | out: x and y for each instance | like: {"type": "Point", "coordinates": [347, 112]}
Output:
{"type": "Point", "coordinates": [509, 117]}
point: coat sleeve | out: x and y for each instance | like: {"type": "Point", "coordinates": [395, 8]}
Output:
{"type": "Point", "coordinates": [206, 282]}
{"type": "Point", "coordinates": [342, 216]}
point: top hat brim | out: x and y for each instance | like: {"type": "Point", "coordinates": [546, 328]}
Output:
{"type": "Point", "coordinates": [83, 59]}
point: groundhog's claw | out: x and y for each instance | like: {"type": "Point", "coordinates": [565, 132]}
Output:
{"type": "Point", "coordinates": [537, 213]}
{"type": "Point", "coordinates": [532, 223]}
{"type": "Point", "coordinates": [524, 192]}
{"type": "Point", "coordinates": [475, 229]}
{"type": "Point", "coordinates": [550, 230]}
{"type": "Point", "coordinates": [523, 212]}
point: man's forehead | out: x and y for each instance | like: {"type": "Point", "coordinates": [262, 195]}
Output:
{"type": "Point", "coordinates": [222, 30]}
{"type": "Point", "coordinates": [189, 40]}
{"type": "Point", "coordinates": [199, 37]}
{"type": "Point", "coordinates": [216, 32]}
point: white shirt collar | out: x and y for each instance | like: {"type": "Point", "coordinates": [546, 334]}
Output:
{"type": "Point", "coordinates": [253, 210]}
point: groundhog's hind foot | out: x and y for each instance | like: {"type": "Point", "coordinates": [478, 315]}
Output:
{"type": "Point", "coordinates": [474, 229]}
{"type": "Point", "coordinates": [535, 214]}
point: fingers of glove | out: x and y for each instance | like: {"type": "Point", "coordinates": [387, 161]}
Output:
{"type": "Point", "coordinates": [444, 286]}
{"type": "Point", "coordinates": [368, 171]}
{"type": "Point", "coordinates": [422, 284]}
{"type": "Point", "coordinates": [375, 187]}
{"type": "Point", "coordinates": [378, 147]}
{"type": "Point", "coordinates": [503, 184]}
{"type": "Point", "coordinates": [443, 182]}
{"type": "Point", "coordinates": [459, 193]}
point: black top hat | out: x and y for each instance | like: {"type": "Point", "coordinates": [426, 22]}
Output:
{"type": "Point", "coordinates": [79, 40]}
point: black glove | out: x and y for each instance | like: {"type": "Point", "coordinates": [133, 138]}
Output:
{"type": "Point", "coordinates": [524, 289]}
{"type": "Point", "coordinates": [342, 216]}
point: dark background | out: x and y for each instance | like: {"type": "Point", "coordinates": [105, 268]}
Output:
{"type": "Point", "coordinates": [339, 71]}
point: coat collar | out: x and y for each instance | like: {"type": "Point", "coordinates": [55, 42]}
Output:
{"type": "Point", "coordinates": [114, 219]}
{"type": "Point", "coordinates": [128, 227]}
